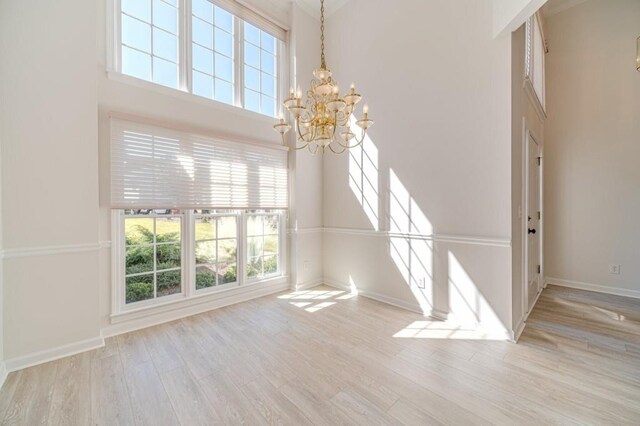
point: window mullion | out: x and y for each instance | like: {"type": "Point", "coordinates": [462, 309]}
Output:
{"type": "Point", "coordinates": [184, 38]}
{"type": "Point", "coordinates": [239, 62]}
{"type": "Point", "coordinates": [188, 253]}
{"type": "Point", "coordinates": [241, 255]}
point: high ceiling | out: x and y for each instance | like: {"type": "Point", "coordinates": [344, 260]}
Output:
{"type": "Point", "coordinates": [556, 6]}
{"type": "Point", "coordinates": [310, 6]}
{"type": "Point", "coordinates": [313, 6]}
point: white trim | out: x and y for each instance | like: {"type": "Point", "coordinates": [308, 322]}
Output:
{"type": "Point", "coordinates": [47, 355]}
{"type": "Point", "coordinates": [616, 291]}
{"type": "Point", "coordinates": [523, 321]}
{"type": "Point", "coordinates": [398, 303]}
{"type": "Point", "coordinates": [518, 331]}
{"type": "Point", "coordinates": [446, 238]}
{"type": "Point", "coordinates": [304, 231]}
{"type": "Point", "coordinates": [50, 250]}
{"type": "Point", "coordinates": [533, 98]}
{"type": "Point", "coordinates": [3, 373]}
{"type": "Point", "coordinates": [130, 322]}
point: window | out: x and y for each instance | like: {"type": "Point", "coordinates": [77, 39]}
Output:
{"type": "Point", "coordinates": [223, 221]}
{"type": "Point", "coordinates": [535, 60]}
{"type": "Point", "coordinates": [153, 254]}
{"type": "Point", "coordinates": [260, 66]}
{"type": "Point", "coordinates": [263, 243]}
{"type": "Point", "coordinates": [222, 51]}
{"type": "Point", "coordinates": [150, 40]}
{"type": "Point", "coordinates": [216, 248]}
{"type": "Point", "coordinates": [212, 51]}
{"type": "Point", "coordinates": [158, 254]}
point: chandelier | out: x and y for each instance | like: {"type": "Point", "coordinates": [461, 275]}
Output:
{"type": "Point", "coordinates": [325, 119]}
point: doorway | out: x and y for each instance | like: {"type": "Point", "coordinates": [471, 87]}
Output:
{"type": "Point", "coordinates": [533, 223]}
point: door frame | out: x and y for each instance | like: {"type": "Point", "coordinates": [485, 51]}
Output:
{"type": "Point", "coordinates": [529, 134]}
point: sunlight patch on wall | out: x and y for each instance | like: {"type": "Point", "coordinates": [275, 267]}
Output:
{"type": "Point", "coordinates": [466, 302]}
{"type": "Point", "coordinates": [410, 250]}
{"type": "Point", "coordinates": [363, 178]}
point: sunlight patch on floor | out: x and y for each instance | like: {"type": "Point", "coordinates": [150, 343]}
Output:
{"type": "Point", "coordinates": [441, 330]}
{"type": "Point", "coordinates": [315, 300]}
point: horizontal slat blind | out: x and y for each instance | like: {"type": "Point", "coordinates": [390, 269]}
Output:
{"type": "Point", "coordinates": [155, 167]}
{"type": "Point", "coordinates": [251, 16]}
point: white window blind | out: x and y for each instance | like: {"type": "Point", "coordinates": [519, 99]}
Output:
{"type": "Point", "coordinates": [248, 14]}
{"type": "Point", "coordinates": [156, 167]}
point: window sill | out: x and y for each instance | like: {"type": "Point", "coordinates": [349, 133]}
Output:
{"type": "Point", "coordinates": [119, 77]}
{"type": "Point", "coordinates": [194, 301]}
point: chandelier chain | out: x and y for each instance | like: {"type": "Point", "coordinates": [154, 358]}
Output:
{"type": "Point", "coordinates": [322, 59]}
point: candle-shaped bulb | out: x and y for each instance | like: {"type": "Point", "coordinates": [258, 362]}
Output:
{"type": "Point", "coordinates": [281, 117]}
{"type": "Point", "coordinates": [299, 92]}
{"type": "Point", "coordinates": [353, 87]}
{"type": "Point", "coordinates": [336, 90]}
{"type": "Point", "coordinates": [365, 109]}
{"type": "Point", "coordinates": [292, 92]}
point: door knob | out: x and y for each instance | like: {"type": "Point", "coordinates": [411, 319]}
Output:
{"type": "Point", "coordinates": [532, 231]}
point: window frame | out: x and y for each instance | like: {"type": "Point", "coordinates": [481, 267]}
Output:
{"type": "Point", "coordinates": [188, 261]}
{"type": "Point", "coordinates": [530, 77]}
{"type": "Point", "coordinates": [194, 264]}
{"type": "Point", "coordinates": [280, 253]}
{"type": "Point", "coordinates": [185, 58]}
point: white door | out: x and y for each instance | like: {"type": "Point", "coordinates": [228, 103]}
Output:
{"type": "Point", "coordinates": [534, 279]}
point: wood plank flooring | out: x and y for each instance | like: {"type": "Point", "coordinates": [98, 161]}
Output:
{"type": "Point", "coordinates": [325, 357]}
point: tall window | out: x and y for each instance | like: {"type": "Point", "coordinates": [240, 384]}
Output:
{"type": "Point", "coordinates": [263, 243]}
{"type": "Point", "coordinates": [216, 248]}
{"type": "Point", "coordinates": [260, 70]}
{"type": "Point", "coordinates": [201, 53]}
{"type": "Point", "coordinates": [153, 254]}
{"type": "Point", "coordinates": [150, 40]}
{"type": "Point", "coordinates": [212, 50]}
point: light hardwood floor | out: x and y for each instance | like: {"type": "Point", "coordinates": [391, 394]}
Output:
{"type": "Point", "coordinates": [323, 357]}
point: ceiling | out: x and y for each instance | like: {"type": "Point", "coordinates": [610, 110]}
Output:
{"type": "Point", "coordinates": [312, 7]}
{"type": "Point", "coordinates": [556, 6]}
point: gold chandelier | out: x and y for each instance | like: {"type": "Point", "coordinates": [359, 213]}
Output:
{"type": "Point", "coordinates": [325, 118]}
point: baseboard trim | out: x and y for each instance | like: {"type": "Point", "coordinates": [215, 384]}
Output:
{"type": "Point", "coordinates": [616, 291]}
{"type": "Point", "coordinates": [518, 331]}
{"type": "Point", "coordinates": [187, 311]}
{"type": "Point", "coordinates": [3, 373]}
{"type": "Point", "coordinates": [36, 358]}
{"type": "Point", "coordinates": [377, 297]}
{"type": "Point", "coordinates": [515, 335]}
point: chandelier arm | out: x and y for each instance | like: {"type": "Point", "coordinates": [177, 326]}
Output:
{"type": "Point", "coordinates": [358, 142]}
{"type": "Point", "coordinates": [337, 152]}
{"type": "Point", "coordinates": [313, 152]}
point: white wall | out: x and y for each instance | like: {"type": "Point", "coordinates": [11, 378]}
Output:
{"type": "Point", "coordinates": [306, 212]}
{"type": "Point", "coordinates": [509, 15]}
{"type": "Point", "coordinates": [439, 86]}
{"type": "Point", "coordinates": [55, 97]}
{"type": "Point", "coordinates": [592, 195]}
{"type": "Point", "coordinates": [49, 173]}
